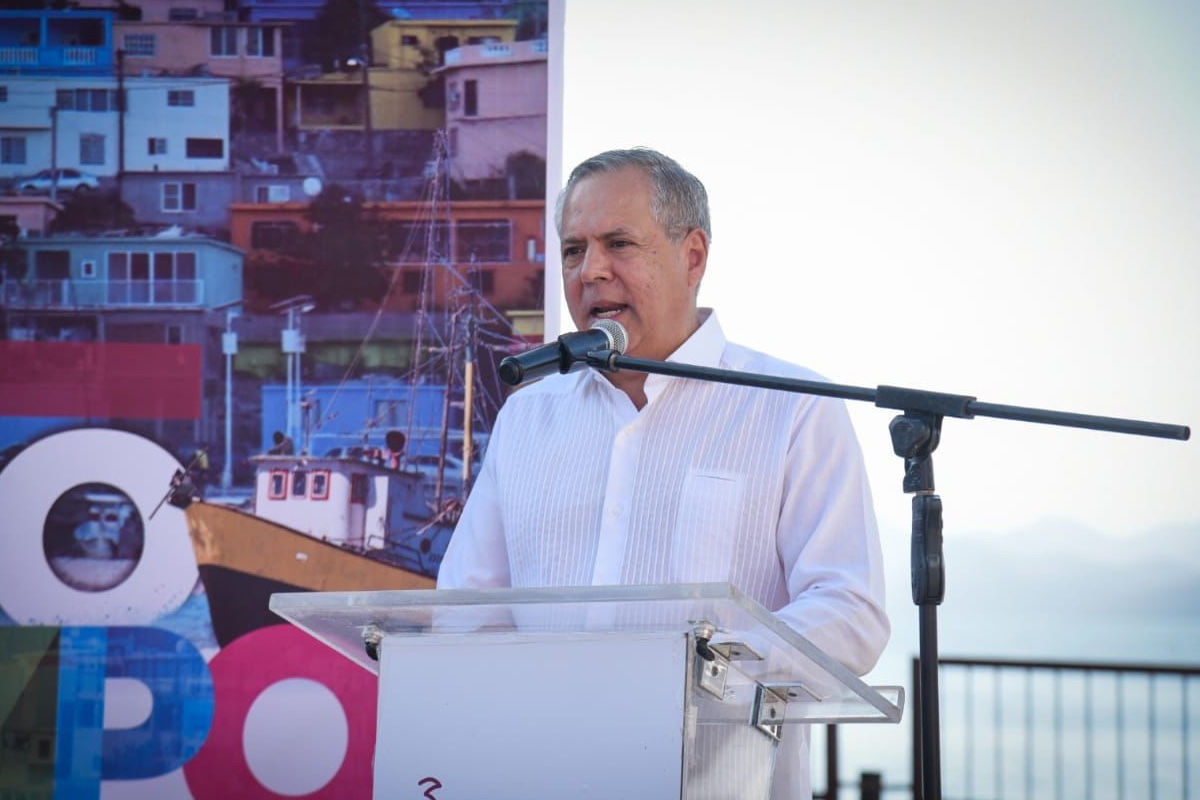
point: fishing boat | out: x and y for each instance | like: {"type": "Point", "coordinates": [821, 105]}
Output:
{"type": "Point", "coordinates": [328, 515]}
{"type": "Point", "coordinates": [317, 524]}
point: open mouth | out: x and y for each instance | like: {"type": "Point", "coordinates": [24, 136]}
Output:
{"type": "Point", "coordinates": [607, 310]}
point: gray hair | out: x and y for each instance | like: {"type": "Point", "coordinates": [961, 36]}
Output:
{"type": "Point", "coordinates": [679, 202]}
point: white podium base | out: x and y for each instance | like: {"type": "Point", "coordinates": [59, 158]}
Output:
{"type": "Point", "coordinates": [512, 716]}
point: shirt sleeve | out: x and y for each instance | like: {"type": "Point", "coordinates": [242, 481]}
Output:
{"type": "Point", "coordinates": [477, 555]}
{"type": "Point", "coordinates": [828, 541]}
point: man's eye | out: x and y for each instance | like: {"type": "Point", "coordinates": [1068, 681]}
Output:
{"type": "Point", "coordinates": [568, 252]}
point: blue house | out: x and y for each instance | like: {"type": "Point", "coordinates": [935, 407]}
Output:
{"type": "Point", "coordinates": [360, 413]}
{"type": "Point", "coordinates": [83, 308]}
{"type": "Point", "coordinates": [60, 42]}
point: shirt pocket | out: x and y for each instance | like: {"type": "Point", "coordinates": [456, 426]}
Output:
{"type": "Point", "coordinates": [706, 527]}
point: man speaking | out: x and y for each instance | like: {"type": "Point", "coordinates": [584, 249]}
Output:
{"type": "Point", "coordinates": [601, 478]}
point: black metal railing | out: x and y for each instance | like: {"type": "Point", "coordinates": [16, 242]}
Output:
{"type": "Point", "coordinates": [1051, 730]}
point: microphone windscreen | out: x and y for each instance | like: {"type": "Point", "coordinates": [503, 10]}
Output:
{"type": "Point", "coordinates": [618, 336]}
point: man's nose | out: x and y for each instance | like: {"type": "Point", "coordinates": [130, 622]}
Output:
{"type": "Point", "coordinates": [597, 266]}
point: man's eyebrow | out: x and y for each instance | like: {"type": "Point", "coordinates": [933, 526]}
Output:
{"type": "Point", "coordinates": [615, 233]}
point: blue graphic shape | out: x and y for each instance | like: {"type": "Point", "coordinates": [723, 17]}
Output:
{"type": "Point", "coordinates": [184, 698]}
{"type": "Point", "coordinates": [78, 757]}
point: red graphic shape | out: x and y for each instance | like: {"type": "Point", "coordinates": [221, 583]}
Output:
{"type": "Point", "coordinates": [104, 380]}
{"type": "Point", "coordinates": [246, 668]}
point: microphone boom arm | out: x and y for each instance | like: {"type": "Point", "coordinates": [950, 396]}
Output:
{"type": "Point", "coordinates": [892, 397]}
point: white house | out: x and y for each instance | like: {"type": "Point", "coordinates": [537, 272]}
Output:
{"type": "Point", "coordinates": [169, 123]}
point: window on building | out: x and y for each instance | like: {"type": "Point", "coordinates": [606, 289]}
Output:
{"type": "Point", "coordinates": [411, 242]}
{"type": "Point", "coordinates": [52, 265]}
{"type": "Point", "coordinates": [91, 148]}
{"type": "Point", "coordinates": [140, 45]}
{"type": "Point", "coordinates": [408, 40]}
{"type": "Point", "coordinates": [273, 234]}
{"type": "Point", "coordinates": [485, 281]}
{"type": "Point", "coordinates": [3, 94]}
{"type": "Point", "coordinates": [205, 148]}
{"type": "Point", "coordinates": [484, 241]}
{"type": "Point", "coordinates": [185, 265]}
{"type": "Point", "coordinates": [260, 41]}
{"type": "Point", "coordinates": [178, 196]}
{"type": "Point", "coordinates": [470, 98]}
{"type": "Point", "coordinates": [174, 334]}
{"type": "Point", "coordinates": [86, 100]}
{"type": "Point", "coordinates": [156, 146]}
{"type": "Point", "coordinates": [181, 97]}
{"type": "Point", "coordinates": [387, 413]}
{"type": "Point", "coordinates": [277, 193]}
{"type": "Point", "coordinates": [12, 149]}
{"type": "Point", "coordinates": [223, 41]}
{"type": "Point", "coordinates": [167, 277]}
{"type": "Point", "coordinates": [410, 281]}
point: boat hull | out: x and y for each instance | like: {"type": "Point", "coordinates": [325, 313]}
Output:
{"type": "Point", "coordinates": [243, 559]}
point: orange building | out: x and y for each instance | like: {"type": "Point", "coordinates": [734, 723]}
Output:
{"type": "Point", "coordinates": [497, 246]}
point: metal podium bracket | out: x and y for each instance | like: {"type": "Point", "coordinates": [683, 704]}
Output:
{"type": "Point", "coordinates": [711, 675]}
{"type": "Point", "coordinates": [736, 651]}
{"type": "Point", "coordinates": [713, 662]}
{"type": "Point", "coordinates": [770, 708]}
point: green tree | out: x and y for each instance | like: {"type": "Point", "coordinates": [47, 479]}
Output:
{"type": "Point", "coordinates": [93, 212]}
{"type": "Point", "coordinates": [338, 32]}
{"type": "Point", "coordinates": [345, 249]}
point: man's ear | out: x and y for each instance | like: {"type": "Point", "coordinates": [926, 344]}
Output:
{"type": "Point", "coordinates": [695, 248]}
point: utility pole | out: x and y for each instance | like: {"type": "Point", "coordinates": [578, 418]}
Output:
{"type": "Point", "coordinates": [229, 348]}
{"type": "Point", "coordinates": [364, 26]}
{"type": "Point", "coordinates": [120, 122]}
{"type": "Point", "coordinates": [54, 152]}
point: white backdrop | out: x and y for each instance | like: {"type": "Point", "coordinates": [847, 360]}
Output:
{"type": "Point", "coordinates": [989, 199]}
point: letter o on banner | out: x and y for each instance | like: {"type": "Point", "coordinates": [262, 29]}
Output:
{"type": "Point", "coordinates": [249, 666]}
{"type": "Point", "coordinates": [38, 476]}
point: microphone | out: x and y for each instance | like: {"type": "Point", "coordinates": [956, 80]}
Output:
{"type": "Point", "coordinates": [564, 353]}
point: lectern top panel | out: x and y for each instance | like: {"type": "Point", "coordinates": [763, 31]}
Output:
{"type": "Point", "coordinates": [721, 616]}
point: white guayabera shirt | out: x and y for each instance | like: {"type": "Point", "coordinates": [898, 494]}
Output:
{"type": "Point", "coordinates": [708, 482]}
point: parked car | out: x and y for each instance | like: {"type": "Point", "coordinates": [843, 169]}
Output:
{"type": "Point", "coordinates": [69, 180]}
{"type": "Point", "coordinates": [428, 464]}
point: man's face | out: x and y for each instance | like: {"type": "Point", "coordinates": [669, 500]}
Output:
{"type": "Point", "coordinates": [619, 263]}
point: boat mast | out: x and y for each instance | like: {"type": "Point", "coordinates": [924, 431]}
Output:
{"type": "Point", "coordinates": [432, 257]}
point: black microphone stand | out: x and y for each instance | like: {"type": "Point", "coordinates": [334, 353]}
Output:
{"type": "Point", "coordinates": [915, 434]}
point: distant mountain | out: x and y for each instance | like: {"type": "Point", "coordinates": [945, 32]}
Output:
{"type": "Point", "coordinates": [1065, 565]}
{"type": "Point", "coordinates": [1060, 589]}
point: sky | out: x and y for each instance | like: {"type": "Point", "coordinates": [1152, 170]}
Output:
{"type": "Point", "coordinates": [996, 200]}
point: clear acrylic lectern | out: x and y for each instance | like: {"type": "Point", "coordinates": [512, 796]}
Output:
{"type": "Point", "coordinates": [673, 691]}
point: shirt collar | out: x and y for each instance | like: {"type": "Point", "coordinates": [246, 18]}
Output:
{"type": "Point", "coordinates": [703, 348]}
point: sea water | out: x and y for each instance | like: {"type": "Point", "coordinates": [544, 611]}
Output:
{"type": "Point", "coordinates": [1026, 734]}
